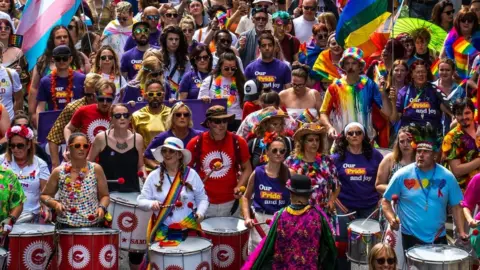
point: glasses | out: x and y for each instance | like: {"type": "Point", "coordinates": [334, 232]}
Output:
{"type": "Point", "coordinates": [281, 151]}
{"type": "Point", "coordinates": [389, 261]}
{"type": "Point", "coordinates": [155, 94]}
{"type": "Point", "coordinates": [225, 41]}
{"type": "Point", "coordinates": [19, 146]}
{"type": "Point", "coordinates": [322, 36]}
{"type": "Point", "coordinates": [61, 58]}
{"type": "Point", "coordinates": [450, 12]}
{"type": "Point", "coordinates": [309, 8]}
{"type": "Point", "coordinates": [202, 58]}
{"type": "Point", "coordinates": [141, 31]}
{"type": "Point", "coordinates": [178, 115]}
{"type": "Point", "coordinates": [123, 19]}
{"type": "Point", "coordinates": [105, 99]}
{"type": "Point", "coordinates": [84, 146]}
{"type": "Point", "coordinates": [71, 27]}
{"type": "Point", "coordinates": [466, 20]}
{"type": "Point", "coordinates": [294, 85]}
{"type": "Point", "coordinates": [105, 57]}
{"type": "Point", "coordinates": [188, 30]}
{"type": "Point", "coordinates": [355, 133]}
{"type": "Point", "coordinates": [170, 15]}
{"type": "Point", "coordinates": [261, 19]}
{"type": "Point", "coordinates": [5, 28]}
{"type": "Point", "coordinates": [120, 115]}
{"type": "Point", "coordinates": [153, 17]}
{"type": "Point", "coordinates": [228, 69]}
{"type": "Point", "coordinates": [167, 150]}
{"type": "Point", "coordinates": [219, 121]}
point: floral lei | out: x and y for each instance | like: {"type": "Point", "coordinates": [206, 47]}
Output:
{"type": "Point", "coordinates": [310, 169]}
{"type": "Point", "coordinates": [233, 90]}
{"type": "Point", "coordinates": [74, 187]}
{"type": "Point", "coordinates": [68, 90]}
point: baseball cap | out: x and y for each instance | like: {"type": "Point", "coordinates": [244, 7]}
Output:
{"type": "Point", "coordinates": [252, 90]}
{"type": "Point", "coordinates": [62, 50]}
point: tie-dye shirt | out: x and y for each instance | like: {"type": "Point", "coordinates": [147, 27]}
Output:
{"type": "Point", "coordinates": [345, 103]}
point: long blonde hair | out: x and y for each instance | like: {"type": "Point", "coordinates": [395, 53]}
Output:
{"type": "Point", "coordinates": [150, 63]}
{"type": "Point", "coordinates": [377, 250]}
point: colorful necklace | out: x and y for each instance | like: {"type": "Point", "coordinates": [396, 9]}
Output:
{"type": "Point", "coordinates": [74, 187]}
{"type": "Point", "coordinates": [68, 91]}
{"type": "Point", "coordinates": [310, 169]}
{"type": "Point", "coordinates": [233, 90]}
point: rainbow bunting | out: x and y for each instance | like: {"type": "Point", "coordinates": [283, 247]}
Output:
{"type": "Point", "coordinates": [434, 67]}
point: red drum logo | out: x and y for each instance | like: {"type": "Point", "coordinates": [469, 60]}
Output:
{"type": "Point", "coordinates": [78, 256]}
{"type": "Point", "coordinates": [223, 255]}
{"type": "Point", "coordinates": [127, 222]}
{"type": "Point", "coordinates": [174, 267]}
{"type": "Point", "coordinates": [36, 254]}
{"type": "Point", "coordinates": [203, 266]}
{"type": "Point", "coordinates": [108, 256]}
{"type": "Point", "coordinates": [154, 266]}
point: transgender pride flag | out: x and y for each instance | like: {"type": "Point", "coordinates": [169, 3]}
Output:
{"type": "Point", "coordinates": [38, 19]}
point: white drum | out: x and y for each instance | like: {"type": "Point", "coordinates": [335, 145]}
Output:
{"type": "Point", "coordinates": [193, 253]}
{"type": "Point", "coordinates": [441, 257]}
{"type": "Point", "coordinates": [3, 258]}
{"type": "Point", "coordinates": [130, 220]}
{"type": "Point", "coordinates": [362, 236]}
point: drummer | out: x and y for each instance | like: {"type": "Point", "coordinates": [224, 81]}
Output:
{"type": "Point", "coordinates": [32, 172]}
{"type": "Point", "coordinates": [177, 187]}
{"type": "Point", "coordinates": [424, 191]}
{"type": "Point", "coordinates": [82, 188]}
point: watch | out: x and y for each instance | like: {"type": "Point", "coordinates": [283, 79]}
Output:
{"type": "Point", "coordinates": [103, 208]}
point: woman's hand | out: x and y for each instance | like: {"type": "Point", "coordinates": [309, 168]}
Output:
{"type": "Point", "coordinates": [206, 99]}
{"type": "Point", "coordinates": [155, 206]}
{"type": "Point", "coordinates": [199, 217]}
{"type": "Point", "coordinates": [331, 206]}
{"type": "Point", "coordinates": [473, 223]}
{"type": "Point", "coordinates": [59, 209]}
{"type": "Point", "coordinates": [99, 213]}
{"type": "Point", "coordinates": [249, 223]}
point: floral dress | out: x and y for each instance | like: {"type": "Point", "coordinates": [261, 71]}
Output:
{"type": "Point", "coordinates": [11, 192]}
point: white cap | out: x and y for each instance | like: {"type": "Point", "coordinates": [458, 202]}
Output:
{"type": "Point", "coordinates": [260, 1]}
{"type": "Point", "coordinates": [250, 90]}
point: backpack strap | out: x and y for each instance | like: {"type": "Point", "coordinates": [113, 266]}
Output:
{"type": "Point", "coordinates": [10, 76]}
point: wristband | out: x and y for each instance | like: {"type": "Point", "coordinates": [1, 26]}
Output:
{"type": "Point", "coordinates": [103, 208]}
{"type": "Point", "coordinates": [14, 219]}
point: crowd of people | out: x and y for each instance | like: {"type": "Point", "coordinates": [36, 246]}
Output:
{"type": "Point", "coordinates": [312, 135]}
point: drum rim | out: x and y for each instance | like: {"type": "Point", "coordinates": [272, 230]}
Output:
{"type": "Point", "coordinates": [122, 202]}
{"type": "Point", "coordinates": [362, 219]}
{"type": "Point", "coordinates": [435, 262]}
{"type": "Point", "coordinates": [79, 231]}
{"type": "Point", "coordinates": [355, 260]}
{"type": "Point", "coordinates": [35, 234]}
{"type": "Point", "coordinates": [210, 246]}
{"type": "Point", "coordinates": [227, 233]}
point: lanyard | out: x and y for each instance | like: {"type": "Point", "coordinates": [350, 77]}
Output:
{"type": "Point", "coordinates": [425, 192]}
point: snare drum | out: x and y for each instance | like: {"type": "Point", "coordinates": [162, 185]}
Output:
{"type": "Point", "coordinates": [88, 248]}
{"type": "Point", "coordinates": [432, 257]}
{"type": "Point", "coordinates": [362, 236]}
{"type": "Point", "coordinates": [30, 246]}
{"type": "Point", "coordinates": [130, 220]}
{"type": "Point", "coordinates": [230, 241]}
{"type": "Point", "coordinates": [193, 253]}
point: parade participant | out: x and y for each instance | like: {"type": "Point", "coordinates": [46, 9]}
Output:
{"type": "Point", "coordinates": [175, 57]}
{"type": "Point", "coordinates": [330, 20]}
{"type": "Point", "coordinates": [290, 44]}
{"type": "Point", "coordinates": [253, 89]}
{"type": "Point", "coordinates": [286, 248]}
{"type": "Point", "coordinates": [82, 188]}
{"type": "Point", "coordinates": [187, 24]}
{"type": "Point", "coordinates": [222, 160]}
{"type": "Point", "coordinates": [248, 42]}
{"type": "Point", "coordinates": [90, 44]}
{"type": "Point", "coordinates": [55, 136]}
{"type": "Point", "coordinates": [267, 187]}
{"type": "Point", "coordinates": [469, 204]}
{"type": "Point", "coordinates": [247, 21]}
{"type": "Point", "coordinates": [135, 90]}
{"type": "Point", "coordinates": [151, 16]}
{"type": "Point", "coordinates": [11, 96]}
{"type": "Point", "coordinates": [223, 42]}
{"type": "Point", "coordinates": [76, 30]}
{"type": "Point", "coordinates": [475, 7]}
{"type": "Point", "coordinates": [396, 80]}
{"type": "Point", "coordinates": [131, 60]}
{"type": "Point", "coordinates": [226, 81]}
{"type": "Point", "coordinates": [12, 200]}
{"type": "Point", "coordinates": [424, 191]}
{"type": "Point", "coordinates": [460, 146]}
{"type": "Point", "coordinates": [31, 171]}
{"type": "Point", "coordinates": [179, 125]}
{"type": "Point", "coordinates": [201, 61]}
{"type": "Point", "coordinates": [442, 14]}
{"type": "Point", "coordinates": [303, 24]}
{"type": "Point", "coordinates": [63, 85]}
{"type": "Point", "coordinates": [299, 97]}
{"type": "Point", "coordinates": [9, 7]}
{"type": "Point", "coordinates": [465, 25]}
{"type": "Point", "coordinates": [323, 59]}
{"type": "Point", "coordinates": [409, 44]}
{"type": "Point", "coordinates": [357, 163]}
{"type": "Point", "coordinates": [270, 120]}
{"type": "Point", "coordinates": [382, 257]}
{"type": "Point", "coordinates": [150, 120]}
{"type": "Point", "coordinates": [117, 149]}
{"type": "Point", "coordinates": [106, 64]}
{"type": "Point", "coordinates": [308, 160]}
{"type": "Point", "coordinates": [422, 38]}
{"type": "Point", "coordinates": [93, 118]}
{"type": "Point", "coordinates": [169, 17]}
{"type": "Point", "coordinates": [117, 31]}
{"type": "Point", "coordinates": [402, 155]}
{"type": "Point", "coordinates": [420, 102]}
{"type": "Point", "coordinates": [236, 11]}
{"type": "Point", "coordinates": [351, 98]}
{"type": "Point", "coordinates": [218, 20]}
{"type": "Point", "coordinates": [272, 72]}
{"type": "Point", "coordinates": [197, 11]}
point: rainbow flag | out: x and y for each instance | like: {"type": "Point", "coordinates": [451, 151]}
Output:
{"type": "Point", "coordinates": [463, 52]}
{"type": "Point", "coordinates": [434, 67]}
{"type": "Point", "coordinates": [38, 19]}
{"type": "Point", "coordinates": [174, 88]}
{"type": "Point", "coordinates": [306, 117]}
{"type": "Point", "coordinates": [324, 69]}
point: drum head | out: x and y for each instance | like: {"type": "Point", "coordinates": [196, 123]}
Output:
{"type": "Point", "coordinates": [223, 225]}
{"type": "Point", "coordinates": [129, 198]}
{"type": "Point", "coordinates": [369, 227]}
{"type": "Point", "coordinates": [27, 229]}
{"type": "Point", "coordinates": [190, 245]}
{"type": "Point", "coordinates": [3, 252]}
{"type": "Point", "coordinates": [437, 253]}
{"type": "Point", "coordinates": [88, 231]}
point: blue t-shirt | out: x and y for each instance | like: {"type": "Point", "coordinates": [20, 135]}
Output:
{"type": "Point", "coordinates": [160, 138]}
{"type": "Point", "coordinates": [270, 195]}
{"type": "Point", "coordinates": [153, 40]}
{"type": "Point", "coordinates": [44, 93]}
{"type": "Point", "coordinates": [357, 175]}
{"type": "Point", "coordinates": [131, 62]}
{"type": "Point", "coordinates": [274, 74]}
{"type": "Point", "coordinates": [191, 83]}
{"type": "Point", "coordinates": [442, 190]}
{"type": "Point", "coordinates": [419, 107]}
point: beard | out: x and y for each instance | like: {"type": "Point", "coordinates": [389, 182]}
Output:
{"type": "Point", "coordinates": [155, 104]}
{"type": "Point", "coordinates": [141, 42]}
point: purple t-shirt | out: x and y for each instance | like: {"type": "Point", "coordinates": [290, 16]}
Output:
{"type": "Point", "coordinates": [131, 62]}
{"type": "Point", "coordinates": [357, 176]}
{"type": "Point", "coordinates": [270, 195]}
{"type": "Point", "coordinates": [153, 39]}
{"type": "Point", "coordinates": [160, 138]}
{"type": "Point", "coordinates": [425, 109]}
{"type": "Point", "coordinates": [45, 85]}
{"type": "Point", "coordinates": [274, 74]}
{"type": "Point", "coordinates": [191, 83]}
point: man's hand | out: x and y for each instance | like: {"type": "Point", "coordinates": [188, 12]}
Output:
{"type": "Point", "coordinates": [394, 223]}
{"type": "Point", "coordinates": [332, 133]}
{"type": "Point", "coordinates": [242, 42]}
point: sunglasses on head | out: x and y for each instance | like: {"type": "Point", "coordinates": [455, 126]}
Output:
{"type": "Point", "coordinates": [84, 146]}
{"type": "Point", "coordinates": [170, 15]}
{"type": "Point", "coordinates": [19, 146]}
{"type": "Point", "coordinates": [153, 17]}
{"type": "Point", "coordinates": [105, 99]}
{"type": "Point", "coordinates": [61, 58]}
{"type": "Point", "coordinates": [280, 151]}
{"type": "Point", "coordinates": [120, 115]}
{"type": "Point", "coordinates": [219, 121]}
{"type": "Point", "coordinates": [105, 57]}
{"type": "Point", "coordinates": [389, 261]}
{"type": "Point", "coordinates": [228, 69]}
{"type": "Point", "coordinates": [178, 115]}
{"type": "Point", "coordinates": [155, 94]}
{"type": "Point", "coordinates": [167, 150]}
{"type": "Point", "coordinates": [355, 133]}
{"type": "Point", "coordinates": [141, 31]}
{"type": "Point", "coordinates": [202, 58]}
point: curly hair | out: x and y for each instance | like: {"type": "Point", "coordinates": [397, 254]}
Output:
{"type": "Point", "coordinates": [182, 51]}
{"type": "Point", "coordinates": [341, 145]}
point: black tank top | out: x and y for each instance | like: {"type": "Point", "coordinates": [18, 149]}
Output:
{"type": "Point", "coordinates": [116, 165]}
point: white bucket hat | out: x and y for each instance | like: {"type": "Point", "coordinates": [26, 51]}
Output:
{"type": "Point", "coordinates": [174, 144]}
{"type": "Point", "coordinates": [5, 16]}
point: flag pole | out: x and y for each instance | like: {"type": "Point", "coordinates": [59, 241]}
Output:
{"type": "Point", "coordinates": [86, 27]}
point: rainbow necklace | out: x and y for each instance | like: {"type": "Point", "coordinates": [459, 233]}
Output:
{"type": "Point", "coordinates": [233, 90]}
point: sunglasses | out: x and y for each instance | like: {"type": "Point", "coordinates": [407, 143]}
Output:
{"type": "Point", "coordinates": [61, 58]}
{"type": "Point", "coordinates": [355, 133]}
{"type": "Point", "coordinates": [466, 20]}
{"type": "Point", "coordinates": [322, 36]}
{"type": "Point", "coordinates": [225, 41]}
{"type": "Point", "coordinates": [188, 30]}
{"type": "Point", "coordinates": [123, 19]}
{"type": "Point", "coordinates": [294, 85]}
{"type": "Point", "coordinates": [202, 58]}
{"type": "Point", "coordinates": [261, 19]}
{"type": "Point", "coordinates": [105, 57]}
{"type": "Point", "coordinates": [84, 146]}
{"type": "Point", "coordinates": [228, 69]}
{"type": "Point", "coordinates": [219, 121]}
{"type": "Point", "coordinates": [105, 99]}
{"type": "Point", "coordinates": [186, 115]}
{"type": "Point", "coordinates": [141, 31]}
{"type": "Point", "coordinates": [450, 12]}
{"type": "Point", "coordinates": [71, 27]}
{"type": "Point", "coordinates": [309, 8]}
{"type": "Point", "coordinates": [389, 261]}
{"type": "Point", "coordinates": [279, 151]}
{"type": "Point", "coordinates": [19, 146]}
{"type": "Point", "coordinates": [153, 17]}
{"type": "Point", "coordinates": [167, 150]}
{"type": "Point", "coordinates": [155, 94]}
{"type": "Point", "coordinates": [120, 115]}
{"type": "Point", "coordinates": [170, 15]}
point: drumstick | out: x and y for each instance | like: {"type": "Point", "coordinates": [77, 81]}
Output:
{"type": "Point", "coordinates": [267, 222]}
{"type": "Point", "coordinates": [120, 181]}
{"type": "Point", "coordinates": [395, 206]}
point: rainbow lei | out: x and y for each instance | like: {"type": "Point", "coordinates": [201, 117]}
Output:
{"type": "Point", "coordinates": [233, 90]}
{"type": "Point", "coordinates": [359, 85]}
{"type": "Point", "coordinates": [74, 188]}
{"type": "Point", "coordinates": [312, 170]}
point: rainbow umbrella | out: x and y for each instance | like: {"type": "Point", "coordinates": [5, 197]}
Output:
{"type": "Point", "coordinates": [410, 25]}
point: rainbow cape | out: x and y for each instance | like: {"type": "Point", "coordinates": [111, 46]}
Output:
{"type": "Point", "coordinates": [324, 69]}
